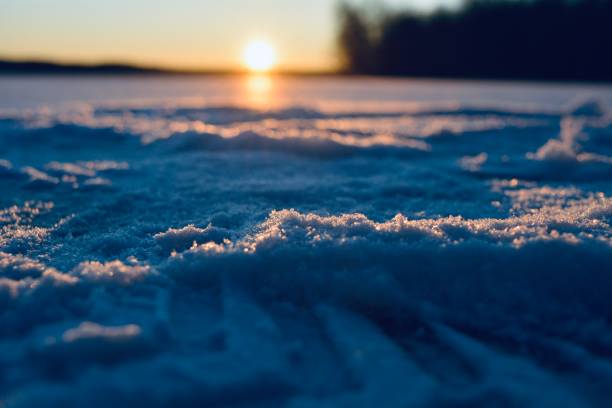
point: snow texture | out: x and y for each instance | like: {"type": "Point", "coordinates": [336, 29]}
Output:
{"type": "Point", "coordinates": [354, 247]}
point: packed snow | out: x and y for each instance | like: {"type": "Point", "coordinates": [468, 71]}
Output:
{"type": "Point", "coordinates": [325, 242]}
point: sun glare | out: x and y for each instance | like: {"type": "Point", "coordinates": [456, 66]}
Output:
{"type": "Point", "coordinates": [259, 56]}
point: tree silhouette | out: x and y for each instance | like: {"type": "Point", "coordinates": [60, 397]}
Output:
{"type": "Point", "coordinates": [357, 54]}
{"type": "Point", "coordinates": [532, 39]}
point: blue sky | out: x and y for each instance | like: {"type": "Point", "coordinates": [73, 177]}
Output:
{"type": "Point", "coordinates": [178, 33]}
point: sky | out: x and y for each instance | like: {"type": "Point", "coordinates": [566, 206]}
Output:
{"type": "Point", "coordinates": [192, 34]}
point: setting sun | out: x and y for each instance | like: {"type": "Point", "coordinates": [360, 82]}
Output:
{"type": "Point", "coordinates": [259, 56]}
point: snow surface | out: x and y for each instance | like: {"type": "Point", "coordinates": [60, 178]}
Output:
{"type": "Point", "coordinates": [331, 243]}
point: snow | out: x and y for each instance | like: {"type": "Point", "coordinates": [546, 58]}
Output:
{"type": "Point", "coordinates": [351, 243]}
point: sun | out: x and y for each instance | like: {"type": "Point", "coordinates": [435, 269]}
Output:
{"type": "Point", "coordinates": [259, 56]}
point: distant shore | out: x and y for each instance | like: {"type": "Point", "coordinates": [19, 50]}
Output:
{"type": "Point", "coordinates": [30, 67]}
{"type": "Point", "coordinates": [35, 68]}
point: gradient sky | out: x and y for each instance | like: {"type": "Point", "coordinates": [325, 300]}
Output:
{"type": "Point", "coordinates": [174, 33]}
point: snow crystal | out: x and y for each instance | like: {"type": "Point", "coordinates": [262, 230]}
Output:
{"type": "Point", "coordinates": [115, 271]}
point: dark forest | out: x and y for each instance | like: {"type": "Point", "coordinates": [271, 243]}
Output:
{"type": "Point", "coordinates": [518, 39]}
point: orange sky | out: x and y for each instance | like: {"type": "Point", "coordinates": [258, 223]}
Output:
{"type": "Point", "coordinates": [198, 34]}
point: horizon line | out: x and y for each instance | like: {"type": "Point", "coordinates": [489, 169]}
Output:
{"type": "Point", "coordinates": [34, 66]}
{"type": "Point", "coordinates": [6, 63]}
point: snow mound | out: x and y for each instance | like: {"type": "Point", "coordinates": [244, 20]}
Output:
{"type": "Point", "coordinates": [180, 239]}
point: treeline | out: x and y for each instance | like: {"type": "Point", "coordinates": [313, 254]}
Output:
{"type": "Point", "coordinates": [523, 39]}
{"type": "Point", "coordinates": [40, 67]}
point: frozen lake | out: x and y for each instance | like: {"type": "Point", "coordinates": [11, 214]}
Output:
{"type": "Point", "coordinates": [266, 241]}
{"type": "Point", "coordinates": [35, 91]}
